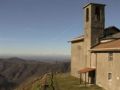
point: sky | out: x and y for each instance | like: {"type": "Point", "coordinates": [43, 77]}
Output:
{"type": "Point", "coordinates": [44, 27]}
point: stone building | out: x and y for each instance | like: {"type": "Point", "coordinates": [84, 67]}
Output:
{"type": "Point", "coordinates": [95, 56]}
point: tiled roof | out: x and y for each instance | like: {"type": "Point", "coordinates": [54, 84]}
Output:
{"type": "Point", "coordinates": [108, 32]}
{"type": "Point", "coordinates": [79, 38]}
{"type": "Point", "coordinates": [112, 27]}
{"type": "Point", "coordinates": [113, 45]}
{"type": "Point", "coordinates": [114, 36]}
{"type": "Point", "coordinates": [84, 70]}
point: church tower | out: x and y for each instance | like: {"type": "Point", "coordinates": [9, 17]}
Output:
{"type": "Point", "coordinates": [94, 22]}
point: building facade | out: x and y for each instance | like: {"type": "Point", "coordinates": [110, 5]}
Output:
{"type": "Point", "coordinates": [95, 55]}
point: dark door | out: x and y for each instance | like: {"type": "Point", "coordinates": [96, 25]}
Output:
{"type": "Point", "coordinates": [92, 76]}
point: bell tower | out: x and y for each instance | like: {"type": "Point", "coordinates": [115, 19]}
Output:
{"type": "Point", "coordinates": [94, 23]}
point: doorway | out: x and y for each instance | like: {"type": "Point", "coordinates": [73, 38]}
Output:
{"type": "Point", "coordinates": [92, 77]}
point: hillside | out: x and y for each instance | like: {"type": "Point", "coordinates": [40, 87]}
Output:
{"type": "Point", "coordinates": [14, 71]}
{"type": "Point", "coordinates": [61, 81]}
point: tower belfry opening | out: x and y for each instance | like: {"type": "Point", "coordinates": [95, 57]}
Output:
{"type": "Point", "coordinates": [97, 13]}
{"type": "Point", "coordinates": [87, 14]}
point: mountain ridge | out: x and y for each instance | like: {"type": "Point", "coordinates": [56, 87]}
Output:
{"type": "Point", "coordinates": [17, 70]}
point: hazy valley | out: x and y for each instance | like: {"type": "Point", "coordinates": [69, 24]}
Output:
{"type": "Point", "coordinates": [14, 71]}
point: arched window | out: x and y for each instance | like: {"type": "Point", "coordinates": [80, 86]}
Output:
{"type": "Point", "coordinates": [87, 15]}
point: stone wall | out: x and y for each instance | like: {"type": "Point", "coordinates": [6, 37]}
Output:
{"type": "Point", "coordinates": [77, 58]}
{"type": "Point", "coordinates": [103, 67]}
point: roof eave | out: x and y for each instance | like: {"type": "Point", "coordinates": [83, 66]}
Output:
{"type": "Point", "coordinates": [93, 4]}
{"type": "Point", "coordinates": [104, 49]}
{"type": "Point", "coordinates": [75, 40]}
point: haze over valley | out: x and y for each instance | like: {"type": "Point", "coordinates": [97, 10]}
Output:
{"type": "Point", "coordinates": [14, 71]}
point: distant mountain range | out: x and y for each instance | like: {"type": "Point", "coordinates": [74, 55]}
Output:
{"type": "Point", "coordinates": [14, 71]}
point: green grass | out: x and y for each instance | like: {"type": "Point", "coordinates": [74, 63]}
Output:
{"type": "Point", "coordinates": [67, 82]}
{"type": "Point", "coordinates": [36, 86]}
{"type": "Point", "coordinates": [63, 82]}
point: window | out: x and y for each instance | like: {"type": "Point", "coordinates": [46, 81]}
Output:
{"type": "Point", "coordinates": [110, 57]}
{"type": "Point", "coordinates": [87, 15]}
{"type": "Point", "coordinates": [109, 76]}
{"type": "Point", "coordinates": [97, 13]}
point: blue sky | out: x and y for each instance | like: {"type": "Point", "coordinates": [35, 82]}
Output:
{"type": "Point", "coordinates": [43, 27]}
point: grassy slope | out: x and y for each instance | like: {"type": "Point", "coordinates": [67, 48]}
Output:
{"type": "Point", "coordinates": [63, 82]}
{"type": "Point", "coordinates": [67, 82]}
